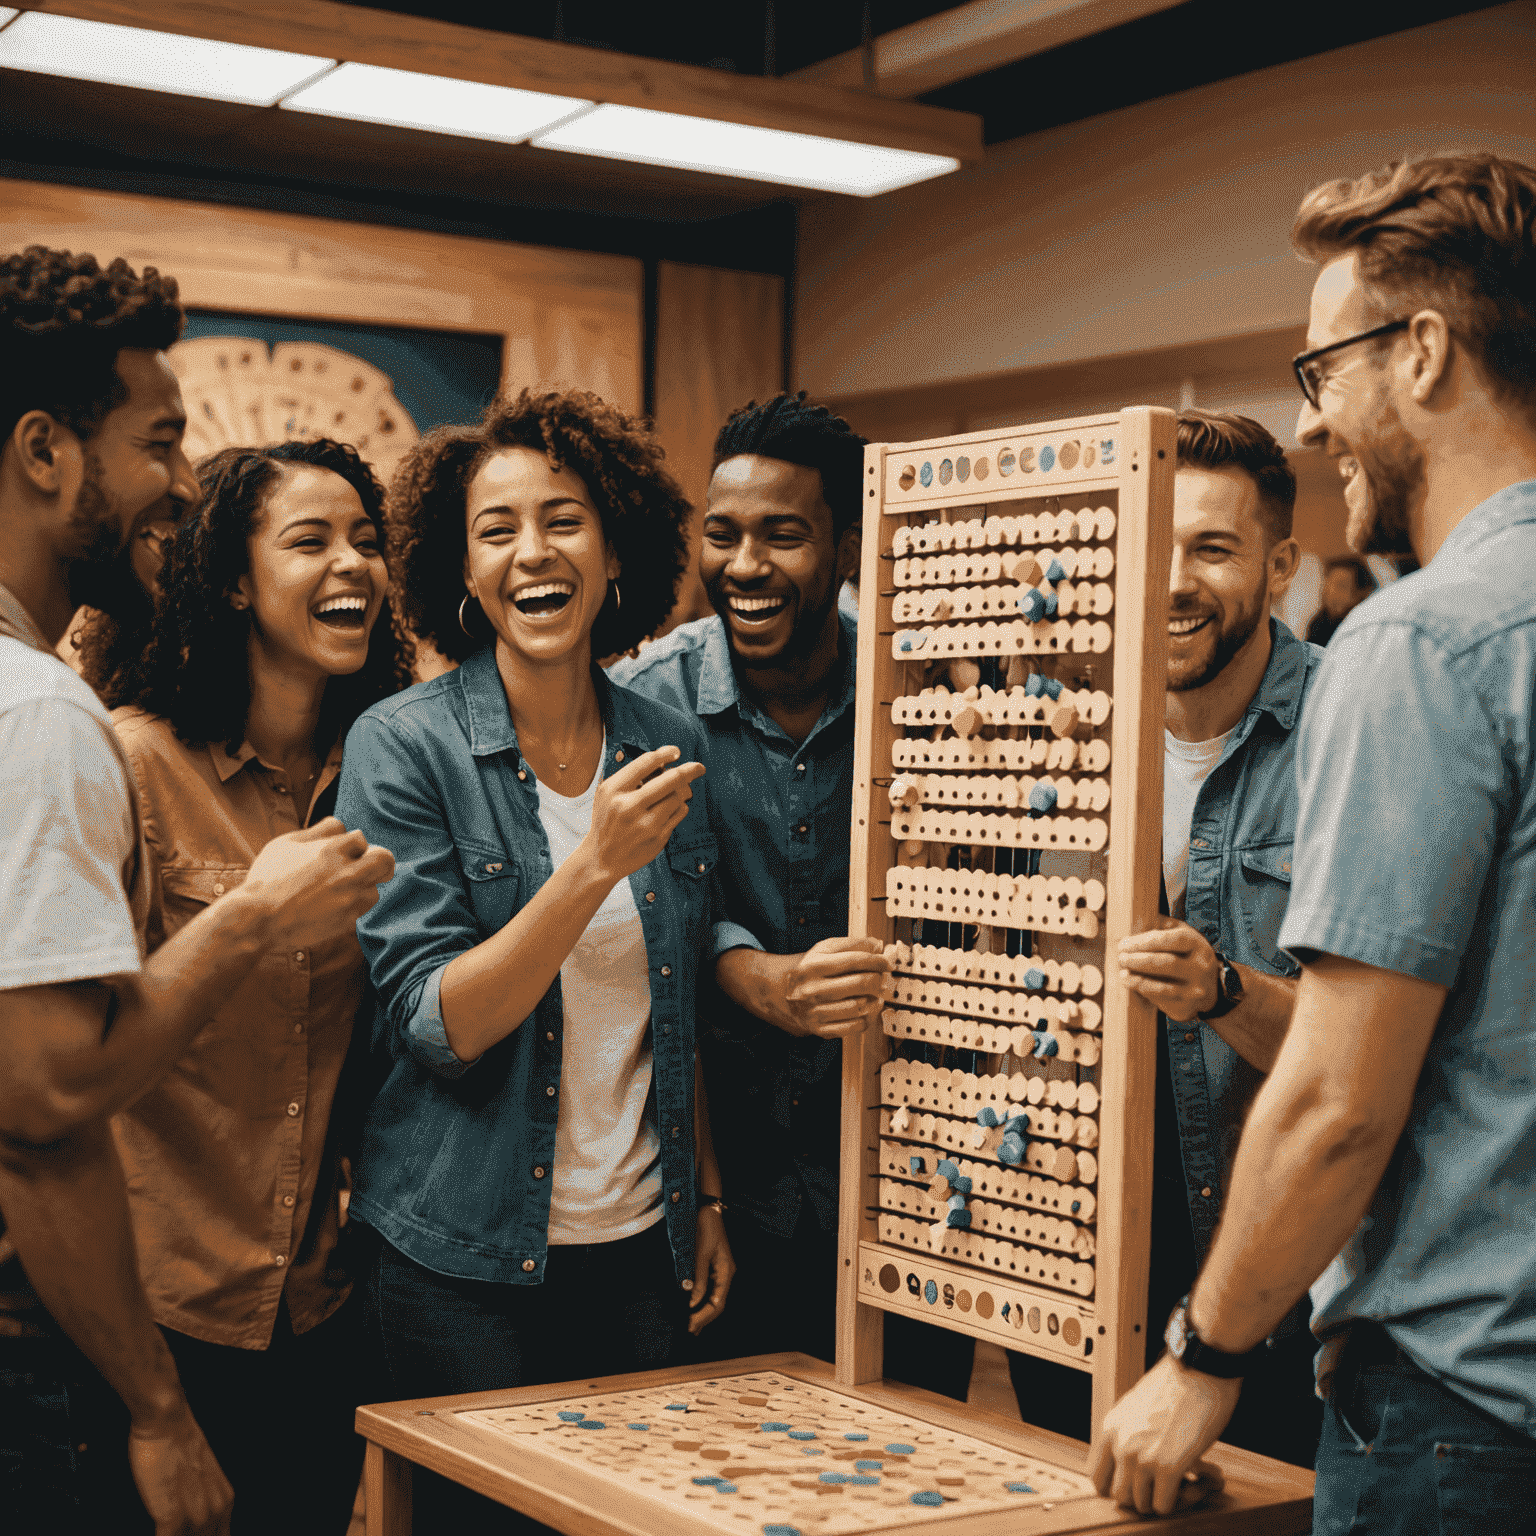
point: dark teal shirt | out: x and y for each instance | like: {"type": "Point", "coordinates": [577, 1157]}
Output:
{"type": "Point", "coordinates": [782, 815]}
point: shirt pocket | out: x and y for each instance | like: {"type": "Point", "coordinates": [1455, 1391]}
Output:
{"type": "Point", "coordinates": [691, 871]}
{"type": "Point", "coordinates": [492, 883]}
{"type": "Point", "coordinates": [187, 891]}
{"type": "Point", "coordinates": [1261, 891]}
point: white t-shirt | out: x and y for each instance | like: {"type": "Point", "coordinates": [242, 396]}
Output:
{"type": "Point", "coordinates": [1186, 765]}
{"type": "Point", "coordinates": [607, 1173]}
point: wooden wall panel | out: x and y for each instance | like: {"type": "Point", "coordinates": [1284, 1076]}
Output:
{"type": "Point", "coordinates": [719, 344]}
{"type": "Point", "coordinates": [568, 317]}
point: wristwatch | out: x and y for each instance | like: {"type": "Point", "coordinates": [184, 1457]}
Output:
{"type": "Point", "coordinates": [1190, 1350]}
{"type": "Point", "coordinates": [1229, 988]}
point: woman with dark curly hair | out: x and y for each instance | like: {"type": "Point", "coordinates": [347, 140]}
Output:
{"type": "Point", "coordinates": [271, 634]}
{"type": "Point", "coordinates": [530, 1164]}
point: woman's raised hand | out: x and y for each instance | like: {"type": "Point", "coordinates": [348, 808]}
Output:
{"type": "Point", "coordinates": [636, 809]}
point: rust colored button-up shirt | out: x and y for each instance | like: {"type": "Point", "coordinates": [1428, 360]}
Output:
{"type": "Point", "coordinates": [231, 1159]}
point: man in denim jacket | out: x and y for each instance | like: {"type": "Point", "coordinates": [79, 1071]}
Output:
{"type": "Point", "coordinates": [1236, 682]}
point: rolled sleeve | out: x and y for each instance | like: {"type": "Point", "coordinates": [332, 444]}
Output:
{"type": "Point", "coordinates": [733, 936]}
{"type": "Point", "coordinates": [422, 919]}
{"type": "Point", "coordinates": [1400, 800]}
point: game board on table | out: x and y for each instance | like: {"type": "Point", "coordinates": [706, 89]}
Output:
{"type": "Point", "coordinates": [763, 1453]}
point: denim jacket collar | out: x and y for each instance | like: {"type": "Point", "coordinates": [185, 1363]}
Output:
{"type": "Point", "coordinates": [490, 718]}
{"type": "Point", "coordinates": [719, 691]}
{"type": "Point", "coordinates": [1280, 689]}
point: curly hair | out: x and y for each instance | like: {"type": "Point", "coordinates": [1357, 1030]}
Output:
{"type": "Point", "coordinates": [1455, 233]}
{"type": "Point", "coordinates": [195, 670]}
{"type": "Point", "coordinates": [790, 429]}
{"type": "Point", "coordinates": [63, 320]}
{"type": "Point", "coordinates": [1225, 440]}
{"type": "Point", "coordinates": [644, 512]}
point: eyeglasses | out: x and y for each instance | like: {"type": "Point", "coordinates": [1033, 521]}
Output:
{"type": "Point", "coordinates": [1310, 377]}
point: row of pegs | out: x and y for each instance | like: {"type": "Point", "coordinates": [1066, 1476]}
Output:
{"type": "Point", "coordinates": [1052, 526]}
{"type": "Point", "coordinates": [1007, 637]}
{"type": "Point", "coordinates": [1057, 754]}
{"type": "Point", "coordinates": [979, 966]}
{"type": "Point", "coordinates": [1007, 791]}
{"type": "Point", "coordinates": [1061, 834]}
{"type": "Point", "coordinates": [1015, 1186]}
{"type": "Point", "coordinates": [1020, 1104]}
{"type": "Point", "coordinates": [965, 1138]}
{"type": "Point", "coordinates": [1004, 1009]}
{"type": "Point", "coordinates": [988, 1218]}
{"type": "Point", "coordinates": [997, 1254]}
{"type": "Point", "coordinates": [1043, 1038]}
{"type": "Point", "coordinates": [935, 605]}
{"type": "Point", "coordinates": [974, 566]}
{"type": "Point", "coordinates": [1032, 699]}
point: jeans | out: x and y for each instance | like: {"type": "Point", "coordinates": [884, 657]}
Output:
{"type": "Point", "coordinates": [602, 1309]}
{"type": "Point", "coordinates": [1402, 1455]}
{"type": "Point", "coordinates": [63, 1445]}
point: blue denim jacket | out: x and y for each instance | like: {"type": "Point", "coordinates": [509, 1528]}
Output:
{"type": "Point", "coordinates": [1239, 884]}
{"type": "Point", "coordinates": [455, 1158]}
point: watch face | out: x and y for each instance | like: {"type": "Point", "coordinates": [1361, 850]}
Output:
{"type": "Point", "coordinates": [1176, 1335]}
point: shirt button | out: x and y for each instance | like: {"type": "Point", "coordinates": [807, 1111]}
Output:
{"type": "Point", "coordinates": [538, 1173]}
{"type": "Point", "coordinates": [549, 1034]}
{"type": "Point", "coordinates": [801, 829]}
{"type": "Point", "coordinates": [521, 774]}
{"type": "Point", "coordinates": [279, 1259]}
{"type": "Point", "coordinates": [293, 1109]}
{"type": "Point", "coordinates": [549, 1092]}
{"type": "Point", "coordinates": [1189, 1037]}
{"type": "Point", "coordinates": [493, 869]}
{"type": "Point", "coordinates": [288, 1200]}
{"type": "Point", "coordinates": [298, 1029]}
{"type": "Point", "coordinates": [298, 955]}
{"type": "Point", "coordinates": [799, 767]}
{"type": "Point", "coordinates": [528, 1266]}
{"type": "Point", "coordinates": [1206, 1192]}
{"type": "Point", "coordinates": [701, 869]}
{"type": "Point", "coordinates": [650, 895]}
{"type": "Point", "coordinates": [218, 890]}
{"type": "Point", "coordinates": [676, 1132]}
{"type": "Point", "coordinates": [800, 921]}
{"type": "Point", "coordinates": [677, 1195]}
{"type": "Point", "coordinates": [282, 789]}
{"type": "Point", "coordinates": [666, 970]}
{"type": "Point", "coordinates": [618, 756]}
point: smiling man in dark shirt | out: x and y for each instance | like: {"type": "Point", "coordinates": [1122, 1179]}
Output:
{"type": "Point", "coordinates": [771, 677]}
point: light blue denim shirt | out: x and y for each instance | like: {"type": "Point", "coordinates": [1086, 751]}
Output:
{"type": "Point", "coordinates": [1239, 883]}
{"type": "Point", "coordinates": [455, 1161]}
{"type": "Point", "coordinates": [1416, 852]}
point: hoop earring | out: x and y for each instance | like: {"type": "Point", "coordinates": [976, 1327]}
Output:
{"type": "Point", "coordinates": [462, 625]}
{"type": "Point", "coordinates": [618, 597]}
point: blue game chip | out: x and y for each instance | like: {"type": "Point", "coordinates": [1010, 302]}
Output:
{"type": "Point", "coordinates": [863, 1482]}
{"type": "Point", "coordinates": [802, 1434]}
{"type": "Point", "coordinates": [833, 1477]}
{"type": "Point", "coordinates": [637, 1426]}
{"type": "Point", "coordinates": [591, 1424]}
{"type": "Point", "coordinates": [855, 1434]}
{"type": "Point", "coordinates": [773, 1426]}
{"type": "Point", "coordinates": [569, 1417]}
{"type": "Point", "coordinates": [928, 1496]}
{"type": "Point", "coordinates": [902, 1450]}
{"type": "Point", "coordinates": [1020, 1488]}
{"type": "Point", "coordinates": [868, 1466]}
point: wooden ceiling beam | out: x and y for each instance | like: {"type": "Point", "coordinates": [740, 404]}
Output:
{"type": "Point", "coordinates": [971, 39]}
{"type": "Point", "coordinates": [417, 43]}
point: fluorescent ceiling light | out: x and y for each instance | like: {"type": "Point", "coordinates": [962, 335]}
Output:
{"type": "Point", "coordinates": [732, 149]}
{"type": "Point", "coordinates": [153, 61]}
{"type": "Point", "coordinates": [367, 93]}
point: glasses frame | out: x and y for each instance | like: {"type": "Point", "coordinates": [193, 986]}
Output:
{"type": "Point", "coordinates": [1300, 361]}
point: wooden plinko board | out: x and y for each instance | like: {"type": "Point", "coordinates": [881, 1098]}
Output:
{"type": "Point", "coordinates": [780, 1435]}
{"type": "Point", "coordinates": [997, 1130]}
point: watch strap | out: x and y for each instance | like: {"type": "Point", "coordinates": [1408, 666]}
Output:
{"type": "Point", "coordinates": [1229, 989]}
{"type": "Point", "coordinates": [1192, 1352]}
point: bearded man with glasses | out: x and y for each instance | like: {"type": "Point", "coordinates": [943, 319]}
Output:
{"type": "Point", "coordinates": [1388, 1161]}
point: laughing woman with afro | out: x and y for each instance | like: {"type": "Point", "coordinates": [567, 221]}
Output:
{"type": "Point", "coordinates": [537, 1165]}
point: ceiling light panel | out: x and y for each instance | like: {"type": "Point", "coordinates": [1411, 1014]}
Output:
{"type": "Point", "coordinates": [153, 61]}
{"type": "Point", "coordinates": [367, 93]}
{"type": "Point", "coordinates": [733, 149]}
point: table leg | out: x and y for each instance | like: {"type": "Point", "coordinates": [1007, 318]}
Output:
{"type": "Point", "coordinates": [386, 1492]}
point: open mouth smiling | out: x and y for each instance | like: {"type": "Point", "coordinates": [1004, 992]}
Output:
{"type": "Point", "coordinates": [1187, 624]}
{"type": "Point", "coordinates": [342, 612]}
{"type": "Point", "coordinates": [548, 597]}
{"type": "Point", "coordinates": [756, 610]}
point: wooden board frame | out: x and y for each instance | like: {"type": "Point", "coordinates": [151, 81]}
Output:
{"type": "Point", "coordinates": [1114, 1320]}
{"type": "Point", "coordinates": [1267, 1499]}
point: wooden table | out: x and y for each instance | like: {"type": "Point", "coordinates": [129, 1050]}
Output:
{"type": "Point", "coordinates": [1262, 1497]}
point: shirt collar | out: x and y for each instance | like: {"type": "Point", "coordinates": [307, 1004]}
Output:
{"type": "Point", "coordinates": [17, 622]}
{"type": "Point", "coordinates": [227, 764]}
{"type": "Point", "coordinates": [719, 691]}
{"type": "Point", "coordinates": [490, 719]}
{"type": "Point", "coordinates": [1514, 504]}
{"type": "Point", "coordinates": [1284, 678]}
